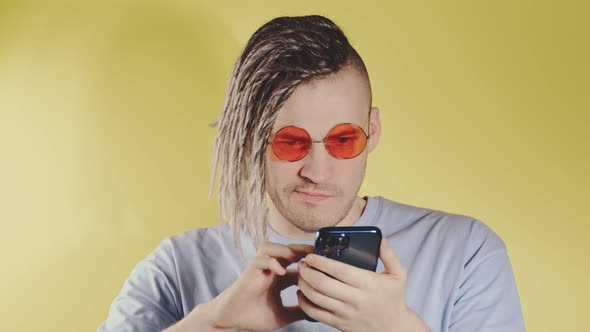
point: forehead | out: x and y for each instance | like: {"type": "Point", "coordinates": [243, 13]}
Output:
{"type": "Point", "coordinates": [318, 105]}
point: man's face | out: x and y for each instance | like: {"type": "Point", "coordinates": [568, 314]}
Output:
{"type": "Point", "coordinates": [320, 190]}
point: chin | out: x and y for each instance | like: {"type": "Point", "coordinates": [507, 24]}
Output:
{"type": "Point", "coordinates": [308, 229]}
{"type": "Point", "coordinates": [312, 223]}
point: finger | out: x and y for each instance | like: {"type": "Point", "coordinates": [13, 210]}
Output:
{"type": "Point", "coordinates": [314, 311]}
{"type": "Point", "coordinates": [303, 248]}
{"type": "Point", "coordinates": [348, 274]}
{"type": "Point", "coordinates": [319, 299]}
{"type": "Point", "coordinates": [289, 279]}
{"type": "Point", "coordinates": [286, 254]}
{"type": "Point", "coordinates": [266, 263]}
{"type": "Point", "coordinates": [391, 261]}
{"type": "Point", "coordinates": [299, 251]}
{"type": "Point", "coordinates": [327, 285]}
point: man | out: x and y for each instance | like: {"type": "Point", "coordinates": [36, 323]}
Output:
{"type": "Point", "coordinates": [298, 124]}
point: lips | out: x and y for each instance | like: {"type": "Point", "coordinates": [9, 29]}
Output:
{"type": "Point", "coordinates": [312, 196]}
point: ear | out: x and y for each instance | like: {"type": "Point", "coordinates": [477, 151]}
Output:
{"type": "Point", "coordinates": [374, 129]}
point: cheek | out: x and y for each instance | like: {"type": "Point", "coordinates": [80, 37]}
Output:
{"type": "Point", "coordinates": [349, 175]}
{"type": "Point", "coordinates": [280, 173]}
{"type": "Point", "coordinates": [270, 168]}
{"type": "Point", "coordinates": [351, 168]}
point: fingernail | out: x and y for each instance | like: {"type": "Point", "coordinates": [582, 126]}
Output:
{"type": "Point", "coordinates": [309, 259]}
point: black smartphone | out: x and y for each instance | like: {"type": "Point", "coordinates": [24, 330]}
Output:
{"type": "Point", "coordinates": [354, 245]}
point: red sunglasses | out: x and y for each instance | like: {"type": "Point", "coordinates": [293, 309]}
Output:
{"type": "Point", "coordinates": [344, 141]}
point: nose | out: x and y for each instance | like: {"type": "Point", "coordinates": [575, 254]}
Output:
{"type": "Point", "coordinates": [317, 165]}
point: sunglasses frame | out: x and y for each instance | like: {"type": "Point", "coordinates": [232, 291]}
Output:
{"type": "Point", "coordinates": [323, 141]}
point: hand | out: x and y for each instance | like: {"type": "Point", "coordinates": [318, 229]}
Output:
{"type": "Point", "coordinates": [353, 299]}
{"type": "Point", "coordinates": [253, 302]}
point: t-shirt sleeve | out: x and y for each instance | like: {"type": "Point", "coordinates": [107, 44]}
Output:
{"type": "Point", "coordinates": [487, 298]}
{"type": "Point", "coordinates": [149, 298]}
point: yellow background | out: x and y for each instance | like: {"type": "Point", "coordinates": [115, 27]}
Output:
{"type": "Point", "coordinates": [105, 147]}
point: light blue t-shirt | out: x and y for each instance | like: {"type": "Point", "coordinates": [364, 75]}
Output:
{"type": "Point", "coordinates": [459, 273]}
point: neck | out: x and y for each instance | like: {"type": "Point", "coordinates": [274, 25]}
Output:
{"type": "Point", "coordinates": [285, 228]}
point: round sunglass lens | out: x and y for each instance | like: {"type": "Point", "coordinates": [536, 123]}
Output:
{"type": "Point", "coordinates": [346, 141]}
{"type": "Point", "coordinates": [291, 143]}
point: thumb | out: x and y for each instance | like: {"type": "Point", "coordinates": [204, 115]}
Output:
{"type": "Point", "coordinates": [391, 261]}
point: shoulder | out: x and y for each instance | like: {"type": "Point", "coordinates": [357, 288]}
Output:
{"type": "Point", "coordinates": [198, 236]}
{"type": "Point", "coordinates": [426, 225]}
{"type": "Point", "coordinates": [198, 242]}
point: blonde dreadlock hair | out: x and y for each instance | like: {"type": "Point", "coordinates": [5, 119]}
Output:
{"type": "Point", "coordinates": [279, 56]}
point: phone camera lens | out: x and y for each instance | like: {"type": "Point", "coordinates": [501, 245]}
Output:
{"type": "Point", "coordinates": [329, 241]}
{"type": "Point", "coordinates": [326, 251]}
{"type": "Point", "coordinates": [342, 243]}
